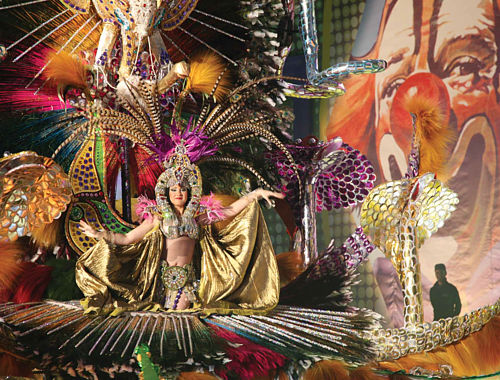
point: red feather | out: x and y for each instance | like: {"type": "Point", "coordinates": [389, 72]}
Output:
{"type": "Point", "coordinates": [248, 359]}
{"type": "Point", "coordinates": [32, 283]}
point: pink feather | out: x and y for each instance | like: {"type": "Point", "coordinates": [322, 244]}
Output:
{"type": "Point", "coordinates": [197, 144]}
{"type": "Point", "coordinates": [13, 94]}
{"type": "Point", "coordinates": [145, 207]}
{"type": "Point", "coordinates": [212, 208]}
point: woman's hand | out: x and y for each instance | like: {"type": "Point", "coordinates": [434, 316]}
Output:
{"type": "Point", "coordinates": [267, 195]}
{"type": "Point", "coordinates": [89, 231]}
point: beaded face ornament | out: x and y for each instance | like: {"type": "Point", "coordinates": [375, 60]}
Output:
{"type": "Point", "coordinates": [179, 171]}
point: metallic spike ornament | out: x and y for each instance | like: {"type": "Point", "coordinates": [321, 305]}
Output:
{"type": "Point", "coordinates": [326, 83]}
{"type": "Point", "coordinates": [177, 338]}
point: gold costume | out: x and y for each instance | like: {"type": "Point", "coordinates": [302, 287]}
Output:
{"type": "Point", "coordinates": [239, 273]}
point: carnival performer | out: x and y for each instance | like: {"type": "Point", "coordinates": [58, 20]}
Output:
{"type": "Point", "coordinates": [152, 265]}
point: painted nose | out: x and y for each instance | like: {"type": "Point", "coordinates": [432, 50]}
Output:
{"type": "Point", "coordinates": [425, 86]}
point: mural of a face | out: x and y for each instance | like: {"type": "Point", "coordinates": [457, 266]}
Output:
{"type": "Point", "coordinates": [447, 51]}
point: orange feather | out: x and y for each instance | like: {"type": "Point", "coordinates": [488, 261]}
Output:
{"type": "Point", "coordinates": [65, 70]}
{"type": "Point", "coordinates": [476, 355]}
{"type": "Point", "coordinates": [327, 370]}
{"type": "Point", "coordinates": [290, 265]}
{"type": "Point", "coordinates": [47, 235]}
{"type": "Point", "coordinates": [433, 133]}
{"type": "Point", "coordinates": [10, 263]}
{"type": "Point", "coordinates": [14, 366]}
{"type": "Point", "coordinates": [196, 376]}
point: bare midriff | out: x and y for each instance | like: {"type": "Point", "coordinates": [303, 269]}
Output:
{"type": "Point", "coordinates": [179, 251]}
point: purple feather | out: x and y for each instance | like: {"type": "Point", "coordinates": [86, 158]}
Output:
{"type": "Point", "coordinates": [198, 145]}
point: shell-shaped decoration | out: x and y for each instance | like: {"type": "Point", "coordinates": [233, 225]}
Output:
{"type": "Point", "coordinates": [34, 191]}
{"type": "Point", "coordinates": [432, 205]}
{"type": "Point", "coordinates": [382, 211]}
{"type": "Point", "coordinates": [422, 202]}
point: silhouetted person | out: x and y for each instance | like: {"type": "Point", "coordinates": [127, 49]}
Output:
{"type": "Point", "coordinates": [444, 296]}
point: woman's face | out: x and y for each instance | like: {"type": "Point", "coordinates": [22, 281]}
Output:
{"type": "Point", "coordinates": [178, 195]}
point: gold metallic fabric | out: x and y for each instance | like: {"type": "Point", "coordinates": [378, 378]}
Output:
{"type": "Point", "coordinates": [239, 271]}
{"type": "Point", "coordinates": [120, 276]}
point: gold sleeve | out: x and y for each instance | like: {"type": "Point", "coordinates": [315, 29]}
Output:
{"type": "Point", "coordinates": [125, 276]}
{"type": "Point", "coordinates": [239, 273]}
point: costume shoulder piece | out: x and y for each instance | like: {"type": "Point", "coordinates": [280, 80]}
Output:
{"type": "Point", "coordinates": [146, 208]}
{"type": "Point", "coordinates": [211, 208]}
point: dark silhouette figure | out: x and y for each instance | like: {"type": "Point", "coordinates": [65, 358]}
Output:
{"type": "Point", "coordinates": [444, 296]}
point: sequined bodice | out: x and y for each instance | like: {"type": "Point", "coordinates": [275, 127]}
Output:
{"type": "Point", "coordinates": [175, 230]}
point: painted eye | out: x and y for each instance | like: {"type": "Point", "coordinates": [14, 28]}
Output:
{"type": "Point", "coordinates": [392, 87]}
{"type": "Point", "coordinates": [463, 66]}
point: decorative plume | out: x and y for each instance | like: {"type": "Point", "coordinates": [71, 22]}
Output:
{"type": "Point", "coordinates": [290, 265]}
{"type": "Point", "coordinates": [47, 235]}
{"type": "Point", "coordinates": [212, 208]}
{"type": "Point", "coordinates": [14, 365]}
{"type": "Point", "coordinates": [248, 360]}
{"type": "Point", "coordinates": [16, 97]}
{"type": "Point", "coordinates": [32, 282]}
{"type": "Point", "coordinates": [197, 144]}
{"type": "Point", "coordinates": [10, 265]}
{"type": "Point", "coordinates": [204, 73]}
{"type": "Point", "coordinates": [145, 207]}
{"type": "Point", "coordinates": [327, 369]}
{"type": "Point", "coordinates": [432, 134]}
{"type": "Point", "coordinates": [66, 71]}
{"type": "Point", "coordinates": [480, 349]}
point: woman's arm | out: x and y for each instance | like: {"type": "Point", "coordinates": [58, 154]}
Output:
{"type": "Point", "coordinates": [134, 236]}
{"type": "Point", "coordinates": [237, 206]}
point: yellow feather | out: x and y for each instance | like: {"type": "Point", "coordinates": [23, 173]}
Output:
{"type": "Point", "coordinates": [46, 235]}
{"type": "Point", "coordinates": [203, 74]}
{"type": "Point", "coordinates": [434, 135]}
{"type": "Point", "coordinates": [65, 70]}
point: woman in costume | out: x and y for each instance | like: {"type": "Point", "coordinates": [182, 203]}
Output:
{"type": "Point", "coordinates": [153, 264]}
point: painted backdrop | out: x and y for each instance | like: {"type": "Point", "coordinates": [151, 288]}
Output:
{"type": "Point", "coordinates": [448, 51]}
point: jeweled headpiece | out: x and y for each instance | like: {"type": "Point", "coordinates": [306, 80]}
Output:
{"type": "Point", "coordinates": [178, 152]}
{"type": "Point", "coordinates": [179, 171]}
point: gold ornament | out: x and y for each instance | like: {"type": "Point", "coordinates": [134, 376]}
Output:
{"type": "Point", "coordinates": [399, 216]}
{"type": "Point", "coordinates": [34, 191]}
